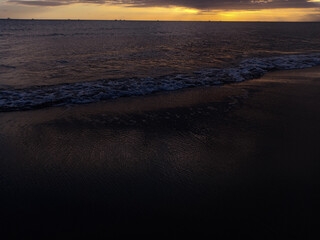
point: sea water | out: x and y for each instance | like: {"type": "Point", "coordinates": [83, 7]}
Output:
{"type": "Point", "coordinates": [50, 63]}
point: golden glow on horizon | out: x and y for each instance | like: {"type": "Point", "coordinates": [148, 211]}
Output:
{"type": "Point", "coordinates": [291, 14]}
{"type": "Point", "coordinates": [185, 10]}
{"type": "Point", "coordinates": [111, 12]}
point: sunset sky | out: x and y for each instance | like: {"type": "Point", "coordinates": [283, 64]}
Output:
{"type": "Point", "coordinates": [184, 10]}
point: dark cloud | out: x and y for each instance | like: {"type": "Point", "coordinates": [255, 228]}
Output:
{"type": "Point", "coordinates": [39, 3]}
{"type": "Point", "coordinates": [54, 2]}
{"type": "Point", "coordinates": [197, 4]}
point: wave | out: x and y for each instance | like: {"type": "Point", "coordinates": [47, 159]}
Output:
{"type": "Point", "coordinates": [94, 91]}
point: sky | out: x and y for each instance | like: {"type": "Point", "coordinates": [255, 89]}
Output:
{"type": "Point", "coordinates": [177, 10]}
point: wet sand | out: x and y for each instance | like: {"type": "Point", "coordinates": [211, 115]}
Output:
{"type": "Point", "coordinates": [236, 160]}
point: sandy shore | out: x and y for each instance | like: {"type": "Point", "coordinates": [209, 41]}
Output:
{"type": "Point", "coordinates": [235, 160]}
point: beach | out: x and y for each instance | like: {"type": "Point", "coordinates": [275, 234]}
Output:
{"type": "Point", "coordinates": [240, 159]}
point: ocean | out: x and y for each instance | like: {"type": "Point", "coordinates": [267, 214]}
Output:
{"type": "Point", "coordinates": [52, 63]}
{"type": "Point", "coordinates": [238, 160]}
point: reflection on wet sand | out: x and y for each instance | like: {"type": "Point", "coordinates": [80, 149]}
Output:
{"type": "Point", "coordinates": [230, 160]}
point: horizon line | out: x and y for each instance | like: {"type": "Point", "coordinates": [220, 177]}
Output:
{"type": "Point", "coordinates": [125, 20]}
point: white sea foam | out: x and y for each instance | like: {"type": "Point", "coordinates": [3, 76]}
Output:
{"type": "Point", "coordinates": [94, 91]}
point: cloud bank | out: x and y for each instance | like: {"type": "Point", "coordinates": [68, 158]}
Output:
{"type": "Point", "coordinates": [203, 5]}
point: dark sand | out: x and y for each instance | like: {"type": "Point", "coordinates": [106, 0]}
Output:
{"type": "Point", "coordinates": [236, 160]}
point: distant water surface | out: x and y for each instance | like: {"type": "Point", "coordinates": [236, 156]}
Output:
{"type": "Point", "coordinates": [52, 53]}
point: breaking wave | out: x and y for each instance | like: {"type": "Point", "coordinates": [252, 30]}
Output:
{"type": "Point", "coordinates": [88, 92]}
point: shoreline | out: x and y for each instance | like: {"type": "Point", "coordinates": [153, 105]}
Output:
{"type": "Point", "coordinates": [73, 93]}
{"type": "Point", "coordinates": [236, 160]}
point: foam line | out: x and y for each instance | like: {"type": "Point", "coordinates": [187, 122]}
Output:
{"type": "Point", "coordinates": [94, 91]}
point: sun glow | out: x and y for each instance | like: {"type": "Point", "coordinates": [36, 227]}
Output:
{"type": "Point", "coordinates": [111, 12]}
{"type": "Point", "coordinates": [185, 10]}
{"type": "Point", "coordinates": [292, 14]}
